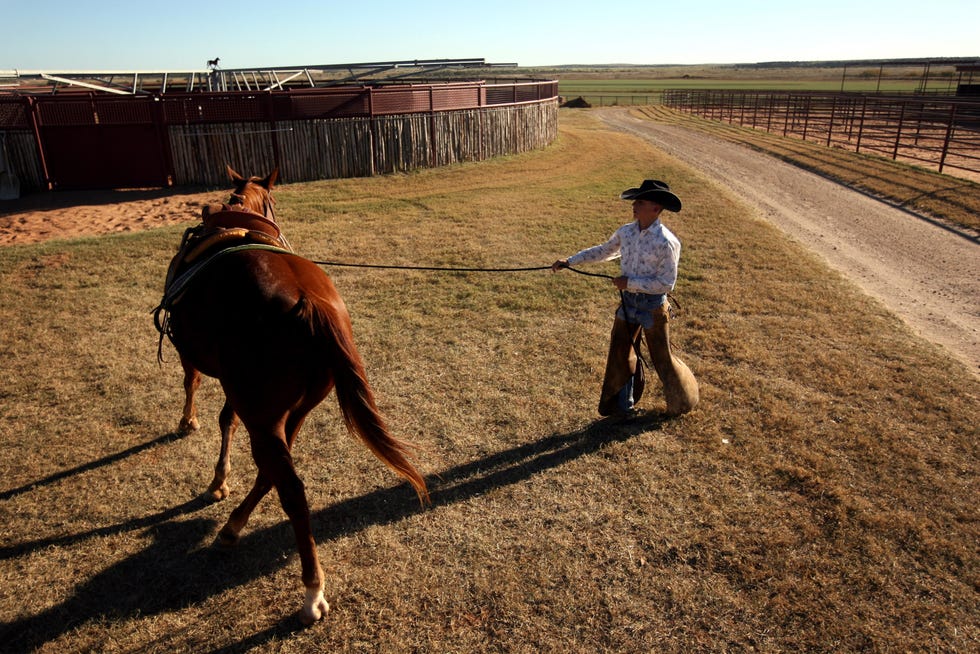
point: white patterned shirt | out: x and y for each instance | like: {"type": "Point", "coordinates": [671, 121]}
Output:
{"type": "Point", "coordinates": [648, 257]}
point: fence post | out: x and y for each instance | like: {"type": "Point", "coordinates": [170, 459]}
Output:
{"type": "Point", "coordinates": [433, 149]}
{"type": "Point", "coordinates": [276, 155]}
{"type": "Point", "coordinates": [830, 126]}
{"type": "Point", "coordinates": [788, 102]}
{"type": "Point", "coordinates": [921, 114]}
{"type": "Point", "coordinates": [162, 132]}
{"type": "Point", "coordinates": [32, 109]}
{"type": "Point", "coordinates": [772, 110]}
{"type": "Point", "coordinates": [806, 115]}
{"type": "Point", "coordinates": [949, 135]}
{"type": "Point", "coordinates": [864, 108]}
{"type": "Point", "coordinates": [373, 132]}
{"type": "Point", "coordinates": [898, 132]}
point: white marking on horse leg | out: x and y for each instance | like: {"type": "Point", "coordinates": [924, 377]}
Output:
{"type": "Point", "coordinates": [314, 606]}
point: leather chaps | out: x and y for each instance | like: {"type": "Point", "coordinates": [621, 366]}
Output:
{"type": "Point", "coordinates": [681, 390]}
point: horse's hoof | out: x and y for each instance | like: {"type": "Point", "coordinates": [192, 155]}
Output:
{"type": "Point", "coordinates": [216, 494]}
{"type": "Point", "coordinates": [227, 537]}
{"type": "Point", "coordinates": [187, 426]}
{"type": "Point", "coordinates": [314, 607]}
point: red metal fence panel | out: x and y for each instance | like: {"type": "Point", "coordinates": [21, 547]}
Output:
{"type": "Point", "coordinates": [14, 113]}
{"type": "Point", "coordinates": [90, 140]}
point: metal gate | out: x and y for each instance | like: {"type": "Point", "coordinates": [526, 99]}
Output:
{"type": "Point", "coordinates": [94, 142]}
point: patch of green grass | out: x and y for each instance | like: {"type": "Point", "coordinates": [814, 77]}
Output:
{"type": "Point", "coordinates": [622, 80]}
{"type": "Point", "coordinates": [599, 87]}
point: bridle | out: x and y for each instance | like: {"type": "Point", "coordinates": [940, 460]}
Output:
{"type": "Point", "coordinates": [268, 211]}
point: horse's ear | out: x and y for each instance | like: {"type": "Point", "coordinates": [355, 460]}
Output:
{"type": "Point", "coordinates": [235, 177]}
{"type": "Point", "coordinates": [270, 180]}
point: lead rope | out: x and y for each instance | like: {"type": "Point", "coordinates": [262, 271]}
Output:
{"type": "Point", "coordinates": [436, 268]}
{"type": "Point", "coordinates": [341, 264]}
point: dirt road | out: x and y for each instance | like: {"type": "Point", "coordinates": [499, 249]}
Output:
{"type": "Point", "coordinates": [924, 272]}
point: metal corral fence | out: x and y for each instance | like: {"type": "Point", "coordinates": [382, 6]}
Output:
{"type": "Point", "coordinates": [938, 132]}
{"type": "Point", "coordinates": [90, 140]}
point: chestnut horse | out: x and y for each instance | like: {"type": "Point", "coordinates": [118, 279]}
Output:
{"type": "Point", "coordinates": [271, 327]}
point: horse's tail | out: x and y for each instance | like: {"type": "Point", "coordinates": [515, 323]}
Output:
{"type": "Point", "coordinates": [330, 323]}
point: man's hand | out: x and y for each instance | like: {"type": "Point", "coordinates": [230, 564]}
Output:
{"type": "Point", "coordinates": [558, 265]}
{"type": "Point", "coordinates": [620, 282]}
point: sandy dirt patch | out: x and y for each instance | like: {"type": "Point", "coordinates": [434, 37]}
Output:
{"type": "Point", "coordinates": [923, 271]}
{"type": "Point", "coordinates": [68, 214]}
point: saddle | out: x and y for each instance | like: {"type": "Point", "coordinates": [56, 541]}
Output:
{"type": "Point", "coordinates": [223, 229]}
{"type": "Point", "coordinates": [224, 226]}
{"type": "Point", "coordinates": [231, 216]}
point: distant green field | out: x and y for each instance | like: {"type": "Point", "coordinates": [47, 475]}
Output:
{"type": "Point", "coordinates": [866, 77]}
{"type": "Point", "coordinates": [595, 87]}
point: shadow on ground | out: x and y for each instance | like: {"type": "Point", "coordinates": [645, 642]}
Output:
{"type": "Point", "coordinates": [180, 568]}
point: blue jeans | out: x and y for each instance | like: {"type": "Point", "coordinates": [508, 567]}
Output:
{"type": "Point", "coordinates": [637, 308]}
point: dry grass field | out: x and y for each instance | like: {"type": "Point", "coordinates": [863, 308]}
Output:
{"type": "Point", "coordinates": [821, 498]}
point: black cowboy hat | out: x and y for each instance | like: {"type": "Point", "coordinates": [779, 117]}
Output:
{"type": "Point", "coordinates": [655, 191]}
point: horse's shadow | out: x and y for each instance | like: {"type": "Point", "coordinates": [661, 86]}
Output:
{"type": "Point", "coordinates": [180, 567]}
{"type": "Point", "coordinates": [92, 465]}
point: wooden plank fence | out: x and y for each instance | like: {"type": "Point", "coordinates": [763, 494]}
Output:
{"type": "Point", "coordinates": [359, 147]}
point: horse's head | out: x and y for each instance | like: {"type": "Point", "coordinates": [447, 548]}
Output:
{"type": "Point", "coordinates": [254, 193]}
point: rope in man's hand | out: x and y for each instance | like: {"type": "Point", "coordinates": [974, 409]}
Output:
{"type": "Point", "coordinates": [555, 267]}
{"type": "Point", "coordinates": [457, 269]}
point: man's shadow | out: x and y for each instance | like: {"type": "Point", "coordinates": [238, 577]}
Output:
{"type": "Point", "coordinates": [181, 567]}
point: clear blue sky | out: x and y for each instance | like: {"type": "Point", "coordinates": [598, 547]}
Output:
{"type": "Point", "coordinates": [72, 35]}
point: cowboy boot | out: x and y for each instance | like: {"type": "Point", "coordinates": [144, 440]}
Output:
{"type": "Point", "coordinates": [680, 386]}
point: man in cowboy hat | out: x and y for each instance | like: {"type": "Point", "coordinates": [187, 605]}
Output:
{"type": "Point", "coordinates": [649, 254]}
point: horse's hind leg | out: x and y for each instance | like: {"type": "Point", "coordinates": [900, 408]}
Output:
{"type": "Point", "coordinates": [192, 380]}
{"type": "Point", "coordinates": [276, 465]}
{"type": "Point", "coordinates": [229, 534]}
{"type": "Point", "coordinates": [228, 422]}
{"type": "Point", "coordinates": [293, 500]}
